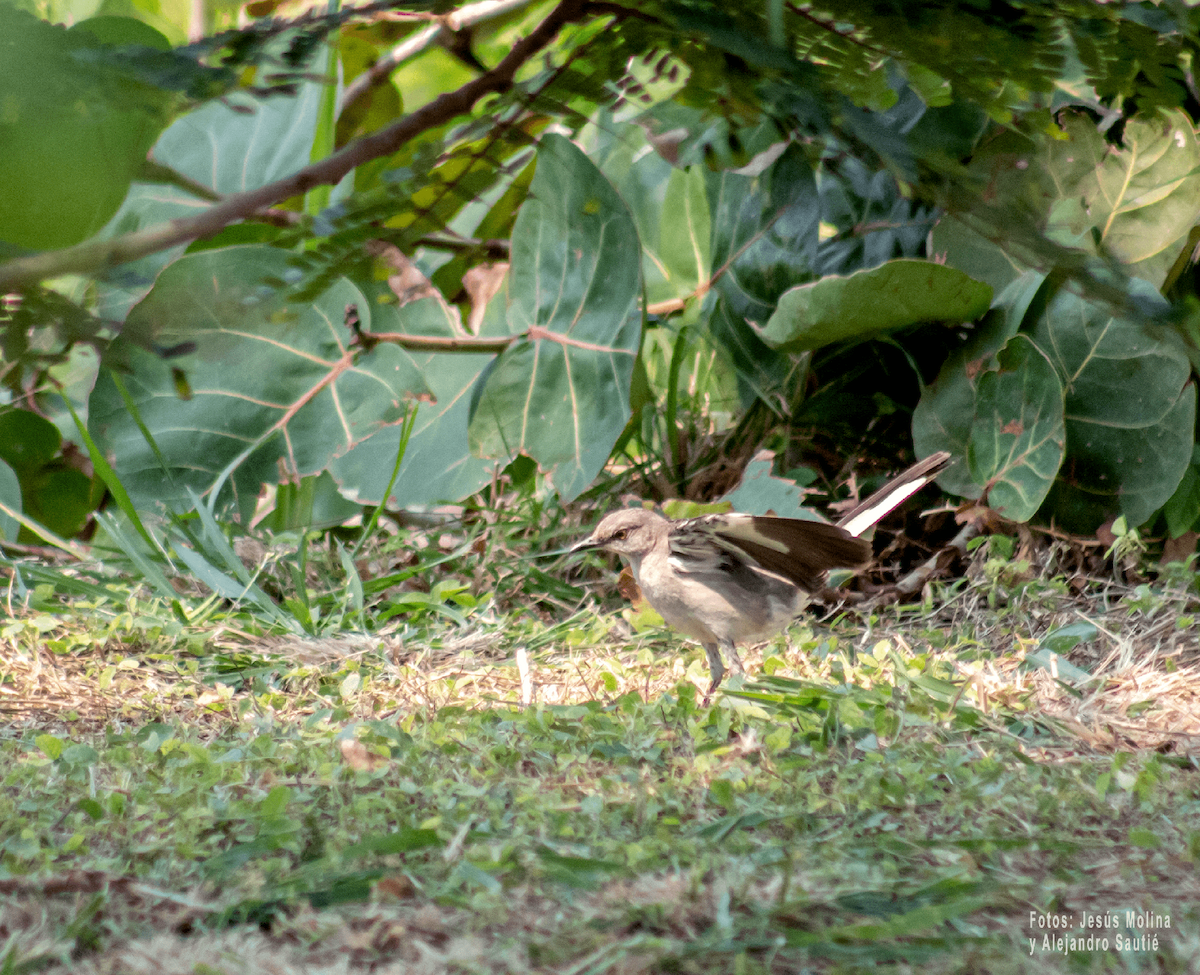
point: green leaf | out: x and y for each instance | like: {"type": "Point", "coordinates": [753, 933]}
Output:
{"type": "Point", "coordinates": [1135, 203]}
{"type": "Point", "coordinates": [582, 872]}
{"type": "Point", "coordinates": [898, 294]}
{"type": "Point", "coordinates": [241, 142]}
{"type": "Point", "coordinates": [670, 208]}
{"type": "Point", "coordinates": [763, 241]}
{"type": "Point", "coordinates": [1183, 508]}
{"type": "Point", "coordinates": [961, 247]}
{"type": "Point", "coordinates": [275, 801]}
{"type": "Point", "coordinates": [28, 442]}
{"type": "Point", "coordinates": [561, 392]}
{"type": "Point", "coordinates": [76, 126]}
{"type": "Point", "coordinates": [945, 413]}
{"type": "Point", "coordinates": [270, 382]}
{"type": "Point", "coordinates": [438, 464]}
{"type": "Point", "coordinates": [1140, 836]}
{"type": "Point", "coordinates": [1130, 412]}
{"type": "Point", "coordinates": [59, 497]}
{"type": "Point", "coordinates": [1018, 435]}
{"type": "Point", "coordinates": [47, 489]}
{"type": "Point", "coordinates": [1049, 660]}
{"type": "Point", "coordinates": [49, 745]}
{"type": "Point", "coordinates": [1140, 199]}
{"type": "Point", "coordinates": [760, 492]}
{"type": "Point", "coordinates": [722, 793]}
{"type": "Point", "coordinates": [10, 497]}
{"type": "Point", "coordinates": [147, 205]}
{"type": "Point", "coordinates": [1066, 638]}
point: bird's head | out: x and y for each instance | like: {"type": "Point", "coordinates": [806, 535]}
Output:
{"type": "Point", "coordinates": [632, 533]}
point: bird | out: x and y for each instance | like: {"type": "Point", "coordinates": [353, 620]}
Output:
{"type": "Point", "coordinates": [725, 579]}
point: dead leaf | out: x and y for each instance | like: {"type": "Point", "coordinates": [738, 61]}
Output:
{"type": "Point", "coordinates": [1104, 534]}
{"type": "Point", "coordinates": [394, 887]}
{"type": "Point", "coordinates": [356, 755]}
{"type": "Point", "coordinates": [482, 283]}
{"type": "Point", "coordinates": [1178, 549]}
{"type": "Point", "coordinates": [627, 587]}
{"type": "Point", "coordinates": [408, 283]}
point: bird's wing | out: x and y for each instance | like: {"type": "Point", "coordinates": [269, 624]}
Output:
{"type": "Point", "coordinates": [800, 551]}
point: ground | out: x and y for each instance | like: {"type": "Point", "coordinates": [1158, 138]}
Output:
{"type": "Point", "coordinates": [958, 784]}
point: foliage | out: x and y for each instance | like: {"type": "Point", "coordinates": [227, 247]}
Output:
{"type": "Point", "coordinates": [777, 186]}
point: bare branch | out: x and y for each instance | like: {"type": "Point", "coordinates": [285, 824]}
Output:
{"type": "Point", "coordinates": [410, 47]}
{"type": "Point", "coordinates": [92, 256]}
{"type": "Point", "coordinates": [440, 343]}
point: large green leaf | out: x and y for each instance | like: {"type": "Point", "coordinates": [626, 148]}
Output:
{"type": "Point", "coordinates": [241, 143]}
{"type": "Point", "coordinates": [945, 414]}
{"type": "Point", "coordinates": [897, 294]}
{"type": "Point", "coordinates": [119, 288]}
{"type": "Point", "coordinates": [561, 392]}
{"type": "Point", "coordinates": [1137, 200]}
{"type": "Point", "coordinates": [958, 246]}
{"type": "Point", "coordinates": [1134, 202]}
{"type": "Point", "coordinates": [1183, 509]}
{"type": "Point", "coordinates": [1018, 434]}
{"type": "Point", "coordinates": [267, 383]}
{"type": "Point", "coordinates": [1130, 412]}
{"type": "Point", "coordinates": [1126, 471]}
{"type": "Point", "coordinates": [74, 128]}
{"type": "Point", "coordinates": [51, 491]}
{"type": "Point", "coordinates": [764, 239]}
{"type": "Point", "coordinates": [1117, 373]}
{"type": "Point", "coordinates": [670, 208]}
{"type": "Point", "coordinates": [227, 146]}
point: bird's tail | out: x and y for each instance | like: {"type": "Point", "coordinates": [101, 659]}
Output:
{"type": "Point", "coordinates": [894, 493]}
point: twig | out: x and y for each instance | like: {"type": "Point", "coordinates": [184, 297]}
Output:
{"type": "Point", "coordinates": [92, 256]}
{"type": "Point", "coordinates": [915, 580]}
{"type": "Point", "coordinates": [410, 47]}
{"type": "Point", "coordinates": [440, 343]}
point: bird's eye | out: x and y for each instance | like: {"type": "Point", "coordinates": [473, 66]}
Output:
{"type": "Point", "coordinates": [621, 534]}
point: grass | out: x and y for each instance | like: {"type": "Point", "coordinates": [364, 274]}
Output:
{"type": "Point", "coordinates": [187, 784]}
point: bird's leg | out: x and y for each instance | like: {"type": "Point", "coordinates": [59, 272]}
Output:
{"type": "Point", "coordinates": [716, 668]}
{"type": "Point", "coordinates": [734, 660]}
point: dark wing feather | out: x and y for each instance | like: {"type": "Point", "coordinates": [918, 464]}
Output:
{"type": "Point", "coordinates": [800, 551]}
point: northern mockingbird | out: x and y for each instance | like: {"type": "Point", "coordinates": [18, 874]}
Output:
{"type": "Point", "coordinates": [734, 578]}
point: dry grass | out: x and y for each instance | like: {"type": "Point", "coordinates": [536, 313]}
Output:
{"type": "Point", "coordinates": [1144, 691]}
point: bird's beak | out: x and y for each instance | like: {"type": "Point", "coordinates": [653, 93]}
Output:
{"type": "Point", "coordinates": [584, 544]}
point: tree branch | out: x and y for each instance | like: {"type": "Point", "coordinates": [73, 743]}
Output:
{"type": "Point", "coordinates": [92, 256]}
{"type": "Point", "coordinates": [411, 46]}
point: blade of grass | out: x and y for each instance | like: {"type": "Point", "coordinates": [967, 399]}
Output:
{"type": "Point", "coordinates": [136, 415]}
{"type": "Point", "coordinates": [406, 429]}
{"type": "Point", "coordinates": [316, 199]}
{"type": "Point", "coordinates": [354, 584]}
{"type": "Point", "coordinates": [215, 545]}
{"type": "Point", "coordinates": [150, 571]}
{"type": "Point", "coordinates": [104, 470]}
{"type": "Point", "coordinates": [45, 534]}
{"type": "Point", "coordinates": [672, 410]}
{"type": "Point", "coordinates": [231, 588]}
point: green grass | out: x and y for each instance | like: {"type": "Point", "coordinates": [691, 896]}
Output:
{"type": "Point", "coordinates": [187, 778]}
